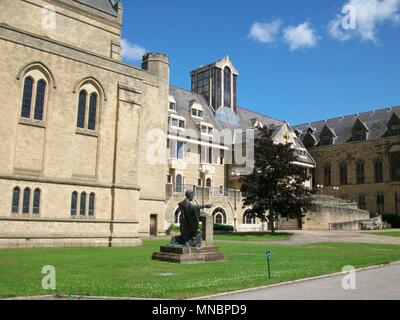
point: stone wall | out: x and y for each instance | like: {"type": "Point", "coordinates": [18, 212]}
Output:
{"type": "Point", "coordinates": [350, 153]}
{"type": "Point", "coordinates": [59, 158]}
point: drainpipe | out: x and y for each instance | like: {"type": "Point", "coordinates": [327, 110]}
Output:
{"type": "Point", "coordinates": [114, 172]}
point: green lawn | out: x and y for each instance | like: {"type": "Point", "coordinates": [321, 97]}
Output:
{"type": "Point", "coordinates": [131, 272]}
{"type": "Point", "coordinates": [387, 233]}
{"type": "Point", "coordinates": [252, 236]}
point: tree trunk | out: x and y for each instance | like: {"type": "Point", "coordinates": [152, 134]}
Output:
{"type": "Point", "coordinates": [272, 223]}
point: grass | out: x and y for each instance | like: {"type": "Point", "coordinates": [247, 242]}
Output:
{"type": "Point", "coordinates": [252, 236]}
{"type": "Point", "coordinates": [130, 272]}
{"type": "Point", "coordinates": [386, 233]}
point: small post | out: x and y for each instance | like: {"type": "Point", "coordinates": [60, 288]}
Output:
{"type": "Point", "coordinates": [268, 255]}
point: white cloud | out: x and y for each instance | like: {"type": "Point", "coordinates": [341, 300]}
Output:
{"type": "Point", "coordinates": [369, 14]}
{"type": "Point", "coordinates": [131, 52]}
{"type": "Point", "coordinates": [300, 37]}
{"type": "Point", "coordinates": [265, 32]}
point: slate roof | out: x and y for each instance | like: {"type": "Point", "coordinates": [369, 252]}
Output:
{"type": "Point", "coordinates": [183, 97]}
{"type": "Point", "coordinates": [375, 121]}
{"type": "Point", "coordinates": [106, 6]}
{"type": "Point", "coordinates": [246, 119]}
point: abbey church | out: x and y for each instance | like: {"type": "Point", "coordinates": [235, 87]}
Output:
{"type": "Point", "coordinates": [75, 166]}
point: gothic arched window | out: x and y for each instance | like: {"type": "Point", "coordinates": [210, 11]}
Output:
{"type": "Point", "coordinates": [26, 201]}
{"type": "Point", "coordinates": [343, 173]}
{"type": "Point", "coordinates": [15, 200]}
{"type": "Point", "coordinates": [92, 111]}
{"type": "Point", "coordinates": [378, 167]}
{"type": "Point", "coordinates": [40, 99]}
{"type": "Point", "coordinates": [74, 203]}
{"type": "Point", "coordinates": [36, 201]}
{"type": "Point", "coordinates": [327, 175]}
{"type": "Point", "coordinates": [92, 199]}
{"type": "Point", "coordinates": [27, 98]}
{"type": "Point", "coordinates": [88, 107]}
{"type": "Point", "coordinates": [82, 210]}
{"type": "Point", "coordinates": [360, 172]}
{"type": "Point", "coordinates": [82, 109]}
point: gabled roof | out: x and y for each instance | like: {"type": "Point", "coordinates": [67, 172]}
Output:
{"type": "Point", "coordinates": [245, 120]}
{"type": "Point", "coordinates": [224, 62]}
{"type": "Point", "coordinates": [106, 6]}
{"type": "Point", "coordinates": [375, 121]}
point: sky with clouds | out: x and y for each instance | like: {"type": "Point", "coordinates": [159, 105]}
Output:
{"type": "Point", "coordinates": [299, 61]}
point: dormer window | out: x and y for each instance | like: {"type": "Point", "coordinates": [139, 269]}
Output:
{"type": "Point", "coordinates": [206, 129]}
{"type": "Point", "coordinates": [327, 136]}
{"type": "Point", "coordinates": [177, 122]}
{"type": "Point", "coordinates": [359, 131]}
{"type": "Point", "coordinates": [196, 113]}
{"type": "Point", "coordinates": [172, 106]}
{"type": "Point", "coordinates": [359, 135]}
{"type": "Point", "coordinates": [326, 140]}
{"type": "Point", "coordinates": [393, 126]}
{"type": "Point", "coordinates": [196, 110]}
{"type": "Point", "coordinates": [256, 124]}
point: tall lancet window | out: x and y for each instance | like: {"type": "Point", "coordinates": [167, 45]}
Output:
{"type": "Point", "coordinates": [227, 87]}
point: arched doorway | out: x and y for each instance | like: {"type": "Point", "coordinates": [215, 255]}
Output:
{"type": "Point", "coordinates": [219, 216]}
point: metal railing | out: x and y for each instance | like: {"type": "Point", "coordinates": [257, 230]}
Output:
{"type": "Point", "coordinates": [172, 189]}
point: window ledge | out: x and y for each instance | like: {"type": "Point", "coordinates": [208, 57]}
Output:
{"type": "Point", "coordinates": [32, 123]}
{"type": "Point", "coordinates": [86, 132]}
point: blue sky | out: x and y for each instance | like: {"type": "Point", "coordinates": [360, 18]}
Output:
{"type": "Point", "coordinates": [294, 67]}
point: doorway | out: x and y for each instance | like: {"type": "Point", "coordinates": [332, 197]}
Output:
{"type": "Point", "coordinates": [153, 225]}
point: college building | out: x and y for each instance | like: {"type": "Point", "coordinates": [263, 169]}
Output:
{"type": "Point", "coordinates": [97, 152]}
{"type": "Point", "coordinates": [358, 158]}
{"type": "Point", "coordinates": [75, 166]}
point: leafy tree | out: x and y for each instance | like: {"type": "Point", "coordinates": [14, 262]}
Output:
{"type": "Point", "coordinates": [276, 186]}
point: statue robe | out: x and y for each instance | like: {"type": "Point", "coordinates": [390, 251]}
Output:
{"type": "Point", "coordinates": [191, 236]}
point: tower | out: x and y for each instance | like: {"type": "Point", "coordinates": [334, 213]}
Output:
{"type": "Point", "coordinates": [217, 83]}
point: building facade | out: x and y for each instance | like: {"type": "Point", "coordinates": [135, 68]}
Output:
{"type": "Point", "coordinates": [73, 167]}
{"type": "Point", "coordinates": [358, 158]}
{"type": "Point", "coordinates": [209, 138]}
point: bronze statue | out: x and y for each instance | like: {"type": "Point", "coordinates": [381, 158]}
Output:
{"type": "Point", "coordinates": [190, 236]}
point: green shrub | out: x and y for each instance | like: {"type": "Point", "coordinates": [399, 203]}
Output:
{"type": "Point", "coordinates": [173, 228]}
{"type": "Point", "coordinates": [223, 228]}
{"type": "Point", "coordinates": [392, 219]}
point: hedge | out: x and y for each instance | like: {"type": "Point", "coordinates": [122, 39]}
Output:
{"type": "Point", "coordinates": [392, 219]}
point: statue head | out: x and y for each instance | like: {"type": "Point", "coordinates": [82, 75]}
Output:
{"type": "Point", "coordinates": [190, 195]}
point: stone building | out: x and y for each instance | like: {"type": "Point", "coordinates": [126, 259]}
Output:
{"type": "Point", "coordinates": [73, 167]}
{"type": "Point", "coordinates": [358, 158]}
{"type": "Point", "coordinates": [205, 125]}
{"type": "Point", "coordinates": [97, 152]}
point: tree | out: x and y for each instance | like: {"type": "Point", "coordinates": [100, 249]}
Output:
{"type": "Point", "coordinates": [276, 186]}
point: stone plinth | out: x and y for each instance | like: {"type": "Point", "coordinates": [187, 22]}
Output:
{"type": "Point", "coordinates": [185, 255]}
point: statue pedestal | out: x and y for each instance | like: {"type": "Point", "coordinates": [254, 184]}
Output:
{"type": "Point", "coordinates": [187, 255]}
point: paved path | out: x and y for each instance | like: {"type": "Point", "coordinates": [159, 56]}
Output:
{"type": "Point", "coordinates": [311, 237]}
{"type": "Point", "coordinates": [308, 237]}
{"type": "Point", "coordinates": [373, 284]}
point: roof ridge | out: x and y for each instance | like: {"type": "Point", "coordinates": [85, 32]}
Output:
{"type": "Point", "coordinates": [261, 114]}
{"type": "Point", "coordinates": [346, 116]}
